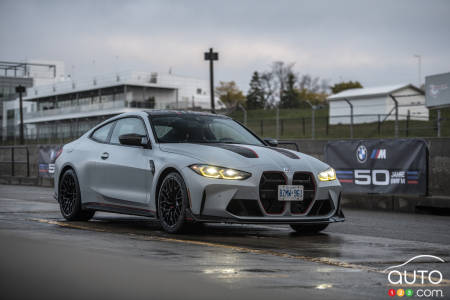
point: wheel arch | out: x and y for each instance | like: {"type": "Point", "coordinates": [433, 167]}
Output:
{"type": "Point", "coordinates": [65, 167]}
{"type": "Point", "coordinates": [161, 177]}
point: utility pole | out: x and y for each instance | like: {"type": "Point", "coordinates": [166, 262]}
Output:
{"type": "Point", "coordinates": [21, 89]}
{"type": "Point", "coordinates": [419, 61]}
{"type": "Point", "coordinates": [211, 56]}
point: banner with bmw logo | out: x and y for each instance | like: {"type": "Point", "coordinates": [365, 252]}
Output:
{"type": "Point", "coordinates": [46, 160]}
{"type": "Point", "coordinates": [389, 166]}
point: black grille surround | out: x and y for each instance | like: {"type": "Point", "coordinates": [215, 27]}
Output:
{"type": "Point", "coordinates": [244, 208]}
{"type": "Point", "coordinates": [309, 191]}
{"type": "Point", "coordinates": [268, 192]}
{"type": "Point", "coordinates": [321, 208]}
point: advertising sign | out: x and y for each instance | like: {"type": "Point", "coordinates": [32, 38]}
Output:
{"type": "Point", "coordinates": [437, 90]}
{"type": "Point", "coordinates": [46, 160]}
{"type": "Point", "coordinates": [397, 166]}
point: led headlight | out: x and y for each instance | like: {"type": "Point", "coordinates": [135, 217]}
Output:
{"type": "Point", "coordinates": [327, 175]}
{"type": "Point", "coordinates": [220, 172]}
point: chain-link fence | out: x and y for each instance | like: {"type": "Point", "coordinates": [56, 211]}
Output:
{"type": "Point", "coordinates": [49, 133]}
{"type": "Point", "coordinates": [324, 126]}
{"type": "Point", "coordinates": [290, 124]}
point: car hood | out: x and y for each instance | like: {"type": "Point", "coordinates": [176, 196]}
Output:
{"type": "Point", "coordinates": [244, 157]}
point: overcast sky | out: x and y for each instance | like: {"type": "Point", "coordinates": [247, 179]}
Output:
{"type": "Point", "coordinates": [370, 41]}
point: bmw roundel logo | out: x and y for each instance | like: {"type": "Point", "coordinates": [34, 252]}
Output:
{"type": "Point", "coordinates": [361, 153]}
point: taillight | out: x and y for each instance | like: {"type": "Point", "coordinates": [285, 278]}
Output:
{"type": "Point", "coordinates": [58, 153]}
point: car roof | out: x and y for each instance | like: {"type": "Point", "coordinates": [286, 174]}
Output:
{"type": "Point", "coordinates": [166, 112]}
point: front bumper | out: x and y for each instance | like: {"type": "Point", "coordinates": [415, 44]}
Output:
{"type": "Point", "coordinates": [211, 201]}
{"type": "Point", "coordinates": [337, 217]}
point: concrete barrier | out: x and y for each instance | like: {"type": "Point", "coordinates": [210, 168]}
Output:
{"type": "Point", "coordinates": [438, 184]}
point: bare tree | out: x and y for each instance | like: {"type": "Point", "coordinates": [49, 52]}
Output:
{"type": "Point", "coordinates": [277, 83]}
{"type": "Point", "coordinates": [311, 84]}
{"type": "Point", "coordinates": [281, 71]}
{"type": "Point", "coordinates": [270, 87]}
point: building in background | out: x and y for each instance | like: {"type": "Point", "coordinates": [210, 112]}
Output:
{"type": "Point", "coordinates": [375, 104]}
{"type": "Point", "coordinates": [46, 72]}
{"type": "Point", "coordinates": [26, 74]}
{"type": "Point", "coordinates": [68, 108]}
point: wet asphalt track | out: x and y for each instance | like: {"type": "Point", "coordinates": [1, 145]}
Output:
{"type": "Point", "coordinates": [125, 257]}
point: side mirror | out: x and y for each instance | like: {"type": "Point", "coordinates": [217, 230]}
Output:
{"type": "Point", "coordinates": [271, 142]}
{"type": "Point", "coordinates": [133, 139]}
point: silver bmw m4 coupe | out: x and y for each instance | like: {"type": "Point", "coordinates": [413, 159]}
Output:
{"type": "Point", "coordinates": [187, 167]}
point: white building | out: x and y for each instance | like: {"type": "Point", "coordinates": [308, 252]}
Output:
{"type": "Point", "coordinates": [27, 73]}
{"type": "Point", "coordinates": [76, 106]}
{"type": "Point", "coordinates": [375, 103]}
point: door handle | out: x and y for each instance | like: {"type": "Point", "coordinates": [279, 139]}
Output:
{"type": "Point", "coordinates": [105, 155]}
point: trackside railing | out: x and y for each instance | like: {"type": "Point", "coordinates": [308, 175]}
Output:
{"type": "Point", "coordinates": [11, 158]}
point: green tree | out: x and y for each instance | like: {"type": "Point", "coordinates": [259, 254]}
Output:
{"type": "Point", "coordinates": [290, 96]}
{"type": "Point", "coordinates": [230, 95]}
{"type": "Point", "coordinates": [345, 85]}
{"type": "Point", "coordinates": [256, 95]}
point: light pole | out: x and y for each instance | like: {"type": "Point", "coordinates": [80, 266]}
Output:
{"type": "Point", "coordinates": [211, 56]}
{"type": "Point", "coordinates": [419, 62]}
{"type": "Point", "coordinates": [20, 90]}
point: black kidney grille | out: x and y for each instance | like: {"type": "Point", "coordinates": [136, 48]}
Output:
{"type": "Point", "coordinates": [268, 192]}
{"type": "Point", "coordinates": [309, 191]}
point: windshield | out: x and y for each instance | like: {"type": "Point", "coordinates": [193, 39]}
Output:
{"type": "Point", "coordinates": [201, 129]}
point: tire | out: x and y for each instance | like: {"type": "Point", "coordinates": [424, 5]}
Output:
{"type": "Point", "coordinates": [69, 198]}
{"type": "Point", "coordinates": [172, 203]}
{"type": "Point", "coordinates": [309, 228]}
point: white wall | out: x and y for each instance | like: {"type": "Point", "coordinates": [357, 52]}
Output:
{"type": "Point", "coordinates": [415, 105]}
{"type": "Point", "coordinates": [381, 105]}
{"type": "Point", "coordinates": [340, 110]}
{"type": "Point", "coordinates": [191, 91]}
{"type": "Point", "coordinates": [15, 105]}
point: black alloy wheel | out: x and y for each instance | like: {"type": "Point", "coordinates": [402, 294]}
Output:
{"type": "Point", "coordinates": [172, 199]}
{"type": "Point", "coordinates": [69, 198]}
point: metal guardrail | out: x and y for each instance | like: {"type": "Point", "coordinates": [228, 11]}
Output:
{"type": "Point", "coordinates": [290, 143]}
{"type": "Point", "coordinates": [13, 162]}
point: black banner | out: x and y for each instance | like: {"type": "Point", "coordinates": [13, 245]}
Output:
{"type": "Point", "coordinates": [391, 166]}
{"type": "Point", "coordinates": [46, 161]}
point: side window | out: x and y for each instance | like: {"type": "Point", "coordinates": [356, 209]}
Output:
{"type": "Point", "coordinates": [127, 126]}
{"type": "Point", "coordinates": [101, 134]}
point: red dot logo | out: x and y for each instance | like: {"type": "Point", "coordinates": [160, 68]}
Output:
{"type": "Point", "coordinates": [391, 292]}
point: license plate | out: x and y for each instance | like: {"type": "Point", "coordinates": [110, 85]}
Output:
{"type": "Point", "coordinates": [290, 193]}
